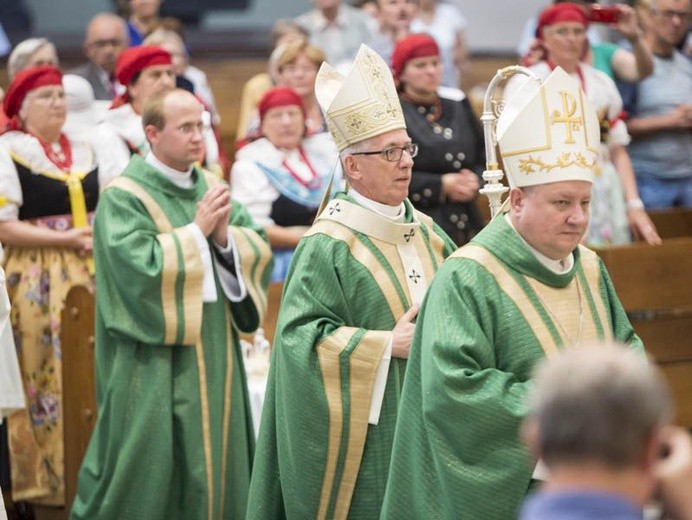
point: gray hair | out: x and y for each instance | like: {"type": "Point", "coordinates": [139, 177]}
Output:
{"type": "Point", "coordinates": [598, 403]}
{"type": "Point", "coordinates": [360, 146]}
{"type": "Point", "coordinates": [22, 53]}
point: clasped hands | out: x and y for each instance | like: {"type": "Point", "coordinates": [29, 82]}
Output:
{"type": "Point", "coordinates": [213, 211]}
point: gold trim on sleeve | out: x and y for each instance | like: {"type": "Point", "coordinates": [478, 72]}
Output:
{"type": "Point", "coordinates": [192, 288]}
{"type": "Point", "coordinates": [592, 272]}
{"type": "Point", "coordinates": [169, 275]}
{"type": "Point", "coordinates": [364, 363]}
{"type": "Point", "coordinates": [245, 239]}
{"type": "Point", "coordinates": [328, 351]}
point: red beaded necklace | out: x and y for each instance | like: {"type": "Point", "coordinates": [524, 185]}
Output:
{"type": "Point", "coordinates": [313, 174]}
{"type": "Point", "coordinates": [60, 153]}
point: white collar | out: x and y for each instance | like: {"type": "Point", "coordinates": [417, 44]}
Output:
{"type": "Point", "coordinates": [180, 179]}
{"type": "Point", "coordinates": [393, 213]}
{"type": "Point", "coordinates": [557, 266]}
{"type": "Point", "coordinates": [323, 23]}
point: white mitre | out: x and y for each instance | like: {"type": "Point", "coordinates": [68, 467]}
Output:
{"type": "Point", "coordinates": [549, 133]}
{"type": "Point", "coordinates": [362, 104]}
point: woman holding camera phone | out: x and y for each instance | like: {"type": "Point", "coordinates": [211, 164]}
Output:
{"type": "Point", "coordinates": [616, 209]}
{"type": "Point", "coordinates": [628, 65]}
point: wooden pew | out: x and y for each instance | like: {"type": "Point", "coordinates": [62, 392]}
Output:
{"type": "Point", "coordinates": [79, 394]}
{"type": "Point", "coordinates": [672, 223]}
{"type": "Point", "coordinates": [654, 284]}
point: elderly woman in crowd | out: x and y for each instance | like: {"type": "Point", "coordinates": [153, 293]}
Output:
{"type": "Point", "coordinates": [32, 52]}
{"type": "Point", "coordinates": [616, 209]}
{"type": "Point", "coordinates": [282, 176]}
{"type": "Point", "coordinates": [451, 152]}
{"type": "Point", "coordinates": [298, 65]}
{"type": "Point", "coordinates": [285, 31]}
{"type": "Point", "coordinates": [49, 185]}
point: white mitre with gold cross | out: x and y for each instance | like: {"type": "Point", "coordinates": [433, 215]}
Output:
{"type": "Point", "coordinates": [549, 133]}
{"type": "Point", "coordinates": [362, 104]}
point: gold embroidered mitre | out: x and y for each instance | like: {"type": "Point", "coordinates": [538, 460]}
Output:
{"type": "Point", "coordinates": [549, 133]}
{"type": "Point", "coordinates": [362, 104]}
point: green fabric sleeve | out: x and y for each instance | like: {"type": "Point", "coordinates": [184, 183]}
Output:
{"type": "Point", "coordinates": [256, 264]}
{"type": "Point", "coordinates": [129, 267]}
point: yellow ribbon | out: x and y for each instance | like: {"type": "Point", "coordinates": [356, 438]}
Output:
{"type": "Point", "coordinates": [78, 207]}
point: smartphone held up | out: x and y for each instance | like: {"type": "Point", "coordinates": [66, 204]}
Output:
{"type": "Point", "coordinates": [602, 14]}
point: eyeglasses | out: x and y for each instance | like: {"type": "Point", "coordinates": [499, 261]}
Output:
{"type": "Point", "coordinates": [394, 153]}
{"type": "Point", "coordinates": [191, 128]}
{"type": "Point", "coordinates": [685, 16]}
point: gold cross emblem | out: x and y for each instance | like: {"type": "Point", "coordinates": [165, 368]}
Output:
{"type": "Point", "coordinates": [569, 107]}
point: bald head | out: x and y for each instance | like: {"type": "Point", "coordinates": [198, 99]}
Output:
{"type": "Point", "coordinates": [106, 37]}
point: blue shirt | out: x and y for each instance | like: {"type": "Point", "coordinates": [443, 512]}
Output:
{"type": "Point", "coordinates": [666, 153]}
{"type": "Point", "coordinates": [579, 505]}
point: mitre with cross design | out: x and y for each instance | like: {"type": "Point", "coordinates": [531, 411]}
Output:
{"type": "Point", "coordinates": [362, 104]}
{"type": "Point", "coordinates": [549, 133]}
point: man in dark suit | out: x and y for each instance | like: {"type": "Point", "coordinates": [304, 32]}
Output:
{"type": "Point", "coordinates": [106, 37]}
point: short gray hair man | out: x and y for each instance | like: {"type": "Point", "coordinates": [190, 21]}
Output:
{"type": "Point", "coordinates": [598, 404]}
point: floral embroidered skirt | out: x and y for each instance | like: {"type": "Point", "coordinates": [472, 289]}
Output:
{"type": "Point", "coordinates": [38, 280]}
{"type": "Point", "coordinates": [608, 224]}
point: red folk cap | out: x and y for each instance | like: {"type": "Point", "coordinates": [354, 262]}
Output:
{"type": "Point", "coordinates": [279, 97]}
{"type": "Point", "coordinates": [412, 47]}
{"type": "Point", "coordinates": [563, 12]}
{"type": "Point", "coordinates": [135, 59]}
{"type": "Point", "coordinates": [27, 80]}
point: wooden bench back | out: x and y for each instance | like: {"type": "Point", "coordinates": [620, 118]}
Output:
{"type": "Point", "coordinates": [79, 393]}
{"type": "Point", "coordinates": [654, 284]}
{"type": "Point", "coordinates": [673, 223]}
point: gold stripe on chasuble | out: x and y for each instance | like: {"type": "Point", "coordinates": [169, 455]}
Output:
{"type": "Point", "coordinates": [568, 305]}
{"type": "Point", "coordinates": [513, 290]}
{"type": "Point", "coordinates": [169, 274]}
{"type": "Point", "coordinates": [155, 212]}
{"type": "Point", "coordinates": [192, 287]}
{"type": "Point", "coordinates": [366, 258]}
{"type": "Point", "coordinates": [328, 351]}
{"type": "Point", "coordinates": [226, 410]}
{"type": "Point", "coordinates": [206, 425]}
{"type": "Point", "coordinates": [436, 243]}
{"type": "Point", "coordinates": [244, 240]}
{"type": "Point", "coordinates": [364, 362]}
{"type": "Point", "coordinates": [592, 271]}
{"type": "Point", "coordinates": [170, 256]}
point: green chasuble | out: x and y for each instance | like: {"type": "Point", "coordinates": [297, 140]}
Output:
{"type": "Point", "coordinates": [174, 437]}
{"type": "Point", "coordinates": [352, 277]}
{"type": "Point", "coordinates": [492, 312]}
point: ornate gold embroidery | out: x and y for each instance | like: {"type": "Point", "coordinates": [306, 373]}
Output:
{"type": "Point", "coordinates": [535, 164]}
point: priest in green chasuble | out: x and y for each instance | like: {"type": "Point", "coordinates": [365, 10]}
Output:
{"type": "Point", "coordinates": [347, 315]}
{"type": "Point", "coordinates": [521, 290]}
{"type": "Point", "coordinates": [180, 269]}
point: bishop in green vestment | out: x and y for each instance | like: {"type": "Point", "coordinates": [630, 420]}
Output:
{"type": "Point", "coordinates": [345, 321]}
{"type": "Point", "coordinates": [520, 291]}
{"type": "Point", "coordinates": [174, 436]}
